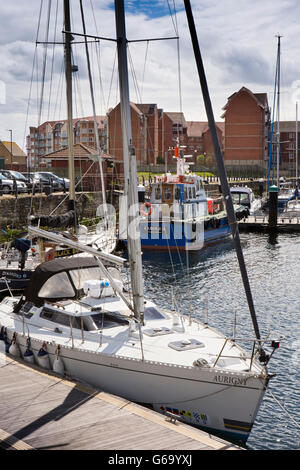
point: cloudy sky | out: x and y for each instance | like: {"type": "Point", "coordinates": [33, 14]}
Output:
{"type": "Point", "coordinates": [237, 39]}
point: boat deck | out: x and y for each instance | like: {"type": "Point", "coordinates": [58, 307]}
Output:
{"type": "Point", "coordinates": [40, 410]}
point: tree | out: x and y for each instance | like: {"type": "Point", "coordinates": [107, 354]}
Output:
{"type": "Point", "coordinates": [200, 159]}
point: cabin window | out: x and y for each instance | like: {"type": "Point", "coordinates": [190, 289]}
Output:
{"type": "Point", "coordinates": [177, 194]}
{"type": "Point", "coordinates": [194, 192]}
{"type": "Point", "coordinates": [56, 287]}
{"type": "Point", "coordinates": [25, 310]}
{"type": "Point", "coordinates": [79, 276]}
{"type": "Point", "coordinates": [194, 210]}
{"type": "Point", "coordinates": [190, 193]}
{"type": "Point", "coordinates": [157, 193]}
{"type": "Point", "coordinates": [108, 320]}
{"type": "Point", "coordinates": [185, 194]}
{"type": "Point", "coordinates": [60, 318]}
{"type": "Point", "coordinates": [167, 194]}
{"type": "Point", "coordinates": [152, 313]}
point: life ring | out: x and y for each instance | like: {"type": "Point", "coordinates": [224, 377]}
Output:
{"type": "Point", "coordinates": [143, 210]}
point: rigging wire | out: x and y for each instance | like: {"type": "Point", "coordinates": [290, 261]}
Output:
{"type": "Point", "coordinates": [58, 93]}
{"type": "Point", "coordinates": [144, 69]}
{"type": "Point", "coordinates": [44, 63]}
{"type": "Point", "coordinates": [134, 78]}
{"type": "Point", "coordinates": [52, 62]}
{"type": "Point", "coordinates": [98, 55]}
{"type": "Point", "coordinates": [111, 80]}
{"type": "Point", "coordinates": [99, 150]}
{"type": "Point", "coordinates": [32, 72]}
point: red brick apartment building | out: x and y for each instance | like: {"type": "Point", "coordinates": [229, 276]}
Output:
{"type": "Point", "coordinates": [52, 136]}
{"type": "Point", "coordinates": [155, 133]}
{"type": "Point", "coordinates": [145, 132]}
{"type": "Point", "coordinates": [200, 142]}
{"type": "Point", "coordinates": [287, 145]}
{"type": "Point", "coordinates": [247, 117]}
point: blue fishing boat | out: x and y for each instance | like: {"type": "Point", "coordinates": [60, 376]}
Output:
{"type": "Point", "coordinates": [178, 215]}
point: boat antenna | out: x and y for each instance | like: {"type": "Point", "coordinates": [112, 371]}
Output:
{"type": "Point", "coordinates": [129, 159]}
{"type": "Point", "coordinates": [68, 71]}
{"type": "Point", "coordinates": [222, 172]}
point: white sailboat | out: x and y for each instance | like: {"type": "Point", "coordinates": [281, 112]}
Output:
{"type": "Point", "coordinates": [103, 235]}
{"type": "Point", "coordinates": [77, 318]}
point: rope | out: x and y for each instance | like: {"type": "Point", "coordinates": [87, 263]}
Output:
{"type": "Point", "coordinates": [284, 409]}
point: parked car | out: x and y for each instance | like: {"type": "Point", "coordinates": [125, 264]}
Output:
{"type": "Point", "coordinates": [33, 182]}
{"type": "Point", "coordinates": [12, 174]}
{"type": "Point", "coordinates": [7, 185]}
{"type": "Point", "coordinates": [45, 181]}
{"type": "Point", "coordinates": [62, 182]}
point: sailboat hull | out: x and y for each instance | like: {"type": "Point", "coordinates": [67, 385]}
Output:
{"type": "Point", "coordinates": [14, 280]}
{"type": "Point", "coordinates": [212, 399]}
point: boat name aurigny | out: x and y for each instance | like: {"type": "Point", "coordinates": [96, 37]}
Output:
{"type": "Point", "coordinates": [224, 379]}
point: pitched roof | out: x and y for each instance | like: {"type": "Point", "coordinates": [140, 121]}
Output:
{"type": "Point", "coordinates": [13, 148]}
{"type": "Point", "coordinates": [260, 98]}
{"type": "Point", "coordinates": [177, 118]}
{"type": "Point", "coordinates": [198, 128]}
{"type": "Point", "coordinates": [287, 126]}
{"type": "Point", "coordinates": [147, 108]}
{"type": "Point", "coordinates": [80, 151]}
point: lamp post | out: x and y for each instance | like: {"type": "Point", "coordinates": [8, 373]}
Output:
{"type": "Point", "coordinates": [11, 152]}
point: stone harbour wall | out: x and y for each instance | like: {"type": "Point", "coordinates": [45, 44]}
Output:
{"type": "Point", "coordinates": [14, 212]}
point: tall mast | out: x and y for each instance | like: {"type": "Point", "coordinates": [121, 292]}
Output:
{"type": "Point", "coordinates": [222, 172]}
{"type": "Point", "coordinates": [68, 72]}
{"type": "Point", "coordinates": [296, 145]}
{"type": "Point", "coordinates": [129, 159]}
{"type": "Point", "coordinates": [278, 109]}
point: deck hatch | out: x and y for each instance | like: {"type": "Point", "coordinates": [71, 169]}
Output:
{"type": "Point", "coordinates": [186, 344]}
{"type": "Point", "coordinates": [158, 331]}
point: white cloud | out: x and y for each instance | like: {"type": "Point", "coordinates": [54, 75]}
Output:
{"type": "Point", "coordinates": [237, 40]}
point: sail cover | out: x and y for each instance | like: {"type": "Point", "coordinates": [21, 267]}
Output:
{"type": "Point", "coordinates": [61, 279]}
{"type": "Point", "coordinates": [63, 220]}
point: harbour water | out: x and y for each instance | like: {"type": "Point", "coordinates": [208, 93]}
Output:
{"type": "Point", "coordinates": [212, 278]}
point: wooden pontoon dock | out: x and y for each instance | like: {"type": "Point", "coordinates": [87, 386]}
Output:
{"type": "Point", "coordinates": [41, 410]}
